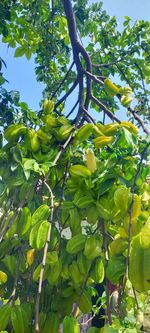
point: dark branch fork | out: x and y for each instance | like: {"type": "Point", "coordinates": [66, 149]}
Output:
{"type": "Point", "coordinates": [79, 50]}
{"type": "Point", "coordinates": [78, 53]}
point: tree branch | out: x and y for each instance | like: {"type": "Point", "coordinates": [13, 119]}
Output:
{"type": "Point", "coordinates": [43, 261]}
{"type": "Point", "coordinates": [139, 120]}
{"type": "Point", "coordinates": [94, 77]}
{"type": "Point", "coordinates": [78, 49]}
{"type": "Point", "coordinates": [104, 108]}
{"type": "Point", "coordinates": [68, 115]}
{"type": "Point", "coordinates": [63, 80]}
{"type": "Point", "coordinates": [67, 93]}
{"type": "Point", "coordinates": [87, 115]}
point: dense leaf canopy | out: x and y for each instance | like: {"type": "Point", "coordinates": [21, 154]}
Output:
{"type": "Point", "coordinates": [74, 176]}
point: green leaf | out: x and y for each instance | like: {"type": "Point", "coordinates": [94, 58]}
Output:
{"type": "Point", "coordinates": [126, 139]}
{"type": "Point", "coordinates": [17, 319]}
{"type": "Point", "coordinates": [110, 329]}
{"type": "Point", "coordinates": [5, 311]}
{"type": "Point", "coordinates": [28, 54]}
{"type": "Point", "coordinates": [115, 269]}
{"type": "Point", "coordinates": [105, 186]}
{"type": "Point", "coordinates": [24, 221]}
{"type": "Point", "coordinates": [31, 164]}
{"type": "Point", "coordinates": [42, 234]}
{"type": "Point", "coordinates": [19, 52]}
{"type": "Point", "coordinates": [41, 214]}
{"type": "Point", "coordinates": [33, 235]}
{"type": "Point", "coordinates": [11, 263]}
{"type": "Point", "coordinates": [2, 187]}
{"type": "Point", "coordinates": [38, 235]}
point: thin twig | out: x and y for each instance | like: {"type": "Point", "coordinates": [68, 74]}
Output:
{"type": "Point", "coordinates": [135, 297]}
{"type": "Point", "coordinates": [37, 306]}
{"type": "Point", "coordinates": [93, 77]}
{"type": "Point", "coordinates": [69, 114]}
{"type": "Point", "coordinates": [92, 317]}
{"type": "Point", "coordinates": [64, 182]}
{"type": "Point", "coordinates": [104, 108]}
{"type": "Point", "coordinates": [125, 78]}
{"type": "Point", "coordinates": [13, 294]}
{"type": "Point", "coordinates": [143, 83]}
{"type": "Point", "coordinates": [89, 116]}
{"type": "Point", "coordinates": [107, 64]}
{"type": "Point", "coordinates": [139, 120]}
{"type": "Point", "coordinates": [67, 93]}
{"type": "Point", "coordinates": [21, 204]}
{"type": "Point", "coordinates": [63, 80]}
{"type": "Point", "coordinates": [63, 148]}
{"type": "Point", "coordinates": [108, 313]}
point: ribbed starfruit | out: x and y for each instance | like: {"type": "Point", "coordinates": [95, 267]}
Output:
{"type": "Point", "coordinates": [79, 170]}
{"type": "Point", "coordinates": [102, 141]}
{"type": "Point", "coordinates": [48, 106]}
{"type": "Point", "coordinates": [126, 100]}
{"type": "Point", "coordinates": [83, 264]}
{"type": "Point", "coordinates": [136, 208]}
{"type": "Point", "coordinates": [121, 197]}
{"type": "Point", "coordinates": [3, 277]}
{"type": "Point", "coordinates": [92, 247]}
{"type": "Point", "coordinates": [33, 143]}
{"type": "Point", "coordinates": [30, 256]}
{"type": "Point", "coordinates": [54, 273]}
{"type": "Point", "coordinates": [75, 274]}
{"type": "Point", "coordinates": [118, 246]}
{"type": "Point", "coordinates": [110, 87]}
{"type": "Point", "coordinates": [85, 303]}
{"type": "Point", "coordinates": [64, 132]}
{"type": "Point", "coordinates": [50, 121]}
{"type": "Point", "coordinates": [51, 324]}
{"type": "Point", "coordinates": [43, 136]}
{"type": "Point", "coordinates": [91, 160]}
{"type": "Point", "coordinates": [125, 90]}
{"type": "Point", "coordinates": [83, 132]}
{"type": "Point", "coordinates": [70, 325]}
{"type": "Point", "coordinates": [92, 214]}
{"type": "Point", "coordinates": [98, 272]}
{"type": "Point", "coordinates": [14, 132]}
{"type": "Point", "coordinates": [110, 129]}
{"type": "Point", "coordinates": [84, 201]}
{"type": "Point", "coordinates": [76, 244]}
{"type": "Point", "coordinates": [129, 126]}
{"type": "Point", "coordinates": [139, 267]}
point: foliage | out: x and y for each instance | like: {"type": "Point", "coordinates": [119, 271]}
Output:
{"type": "Point", "coordinates": [74, 192]}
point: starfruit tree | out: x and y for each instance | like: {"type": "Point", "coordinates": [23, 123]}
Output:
{"type": "Point", "coordinates": [74, 175]}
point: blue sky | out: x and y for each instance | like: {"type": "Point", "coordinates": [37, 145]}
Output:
{"type": "Point", "coordinates": [20, 72]}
